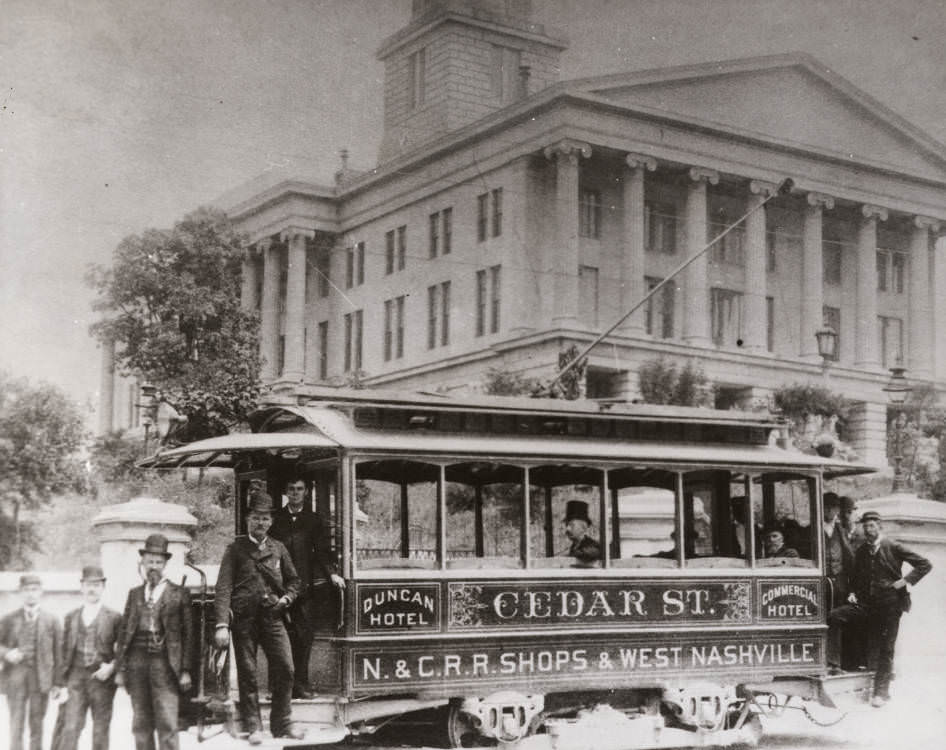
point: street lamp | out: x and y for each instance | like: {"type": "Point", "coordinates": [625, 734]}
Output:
{"type": "Point", "coordinates": [827, 339]}
{"type": "Point", "coordinates": [148, 409]}
{"type": "Point", "coordinates": [897, 390]}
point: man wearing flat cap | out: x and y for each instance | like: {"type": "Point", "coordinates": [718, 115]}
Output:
{"type": "Point", "coordinates": [155, 648]}
{"type": "Point", "coordinates": [256, 585]}
{"type": "Point", "coordinates": [584, 548]}
{"type": "Point", "coordinates": [881, 594]}
{"type": "Point", "coordinates": [30, 645]}
{"type": "Point", "coordinates": [90, 635]}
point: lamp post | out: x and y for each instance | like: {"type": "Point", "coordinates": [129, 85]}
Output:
{"type": "Point", "coordinates": [827, 339]}
{"type": "Point", "coordinates": [148, 408]}
{"type": "Point", "coordinates": [897, 390]}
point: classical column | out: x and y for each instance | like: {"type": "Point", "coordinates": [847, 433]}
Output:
{"type": "Point", "coordinates": [294, 362]}
{"type": "Point", "coordinates": [632, 246]}
{"type": "Point", "coordinates": [812, 275]}
{"type": "Point", "coordinates": [249, 279]}
{"type": "Point", "coordinates": [565, 153]}
{"type": "Point", "coordinates": [866, 348]}
{"type": "Point", "coordinates": [921, 308]}
{"type": "Point", "coordinates": [107, 388]}
{"type": "Point", "coordinates": [269, 309]}
{"type": "Point", "coordinates": [696, 317]}
{"type": "Point", "coordinates": [756, 323]}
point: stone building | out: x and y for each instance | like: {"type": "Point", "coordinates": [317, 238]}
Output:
{"type": "Point", "coordinates": [511, 215]}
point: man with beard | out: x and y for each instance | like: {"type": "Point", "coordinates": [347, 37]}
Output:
{"type": "Point", "coordinates": [154, 649]}
{"type": "Point", "coordinates": [880, 597]}
{"type": "Point", "coordinates": [584, 548]}
{"type": "Point", "coordinates": [773, 540]}
{"type": "Point", "coordinates": [257, 583]}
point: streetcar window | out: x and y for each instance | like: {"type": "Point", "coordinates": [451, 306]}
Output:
{"type": "Point", "coordinates": [400, 500]}
{"type": "Point", "coordinates": [713, 503]}
{"type": "Point", "coordinates": [484, 515]}
{"type": "Point", "coordinates": [561, 493]}
{"type": "Point", "coordinates": [783, 514]}
{"type": "Point", "coordinates": [643, 518]}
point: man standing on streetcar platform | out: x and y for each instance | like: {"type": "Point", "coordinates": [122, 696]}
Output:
{"type": "Point", "coordinates": [258, 583]}
{"type": "Point", "coordinates": [881, 595]}
{"type": "Point", "coordinates": [300, 529]}
{"type": "Point", "coordinates": [838, 559]}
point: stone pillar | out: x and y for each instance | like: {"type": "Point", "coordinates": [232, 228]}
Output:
{"type": "Point", "coordinates": [696, 315]}
{"type": "Point", "coordinates": [867, 426]}
{"type": "Point", "coordinates": [921, 308]}
{"type": "Point", "coordinates": [756, 323]}
{"type": "Point", "coordinates": [294, 365]}
{"type": "Point", "coordinates": [566, 153]}
{"type": "Point", "coordinates": [812, 276]}
{"type": "Point", "coordinates": [269, 310]}
{"type": "Point", "coordinates": [633, 288]}
{"type": "Point", "coordinates": [249, 279]}
{"type": "Point", "coordinates": [107, 388]}
{"type": "Point", "coordinates": [122, 530]}
{"type": "Point", "coordinates": [866, 349]}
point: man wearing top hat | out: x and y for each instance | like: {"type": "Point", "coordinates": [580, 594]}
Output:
{"type": "Point", "coordinates": [90, 635]}
{"type": "Point", "coordinates": [30, 644]}
{"type": "Point", "coordinates": [881, 594]}
{"type": "Point", "coordinates": [155, 647]}
{"type": "Point", "coordinates": [584, 548]}
{"type": "Point", "coordinates": [257, 583]}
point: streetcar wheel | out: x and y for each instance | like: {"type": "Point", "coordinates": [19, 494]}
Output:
{"type": "Point", "coordinates": [462, 731]}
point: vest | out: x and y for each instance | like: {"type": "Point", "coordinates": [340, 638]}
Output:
{"type": "Point", "coordinates": [149, 633]}
{"type": "Point", "coordinates": [834, 556]}
{"type": "Point", "coordinates": [30, 638]}
{"type": "Point", "coordinates": [85, 644]}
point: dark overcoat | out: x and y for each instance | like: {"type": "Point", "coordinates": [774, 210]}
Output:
{"type": "Point", "coordinates": [177, 620]}
{"type": "Point", "coordinates": [48, 646]}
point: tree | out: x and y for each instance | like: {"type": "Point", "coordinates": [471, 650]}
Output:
{"type": "Point", "coordinates": [171, 305]}
{"type": "Point", "coordinates": [40, 431]}
{"type": "Point", "coordinates": [661, 382]}
{"type": "Point", "coordinates": [501, 382]}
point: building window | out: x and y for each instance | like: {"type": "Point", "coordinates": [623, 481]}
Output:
{"type": "Point", "coordinates": [728, 249]}
{"type": "Point", "coordinates": [770, 324]}
{"type": "Point", "coordinates": [771, 242]}
{"type": "Point", "coordinates": [323, 267]}
{"type": "Point", "coordinates": [660, 227]}
{"type": "Point", "coordinates": [482, 216]}
{"type": "Point", "coordinates": [401, 247]}
{"type": "Point", "coordinates": [588, 294]}
{"type": "Point", "coordinates": [432, 292]}
{"type": "Point", "coordinates": [658, 316]}
{"type": "Point", "coordinates": [349, 267]}
{"type": "Point", "coordinates": [883, 259]}
{"type": "Point", "coordinates": [389, 252]}
{"type": "Point", "coordinates": [323, 350]}
{"type": "Point", "coordinates": [434, 236]}
{"type": "Point", "coordinates": [394, 328]}
{"type": "Point", "coordinates": [445, 313]}
{"type": "Point", "coordinates": [898, 271]}
{"type": "Point", "coordinates": [360, 263]}
{"type": "Point", "coordinates": [495, 280]}
{"type": "Point", "coordinates": [831, 262]}
{"type": "Point", "coordinates": [504, 72]}
{"type": "Point", "coordinates": [488, 300]}
{"type": "Point", "coordinates": [417, 72]}
{"type": "Point", "coordinates": [281, 354]}
{"type": "Point", "coordinates": [589, 214]}
{"type": "Point", "coordinates": [497, 199]}
{"type": "Point", "coordinates": [726, 314]}
{"type": "Point", "coordinates": [438, 314]}
{"type": "Point", "coordinates": [890, 331]}
{"type": "Point", "coordinates": [480, 303]}
{"type": "Point", "coordinates": [353, 341]}
{"type": "Point", "coordinates": [831, 317]}
{"type": "Point", "coordinates": [447, 215]}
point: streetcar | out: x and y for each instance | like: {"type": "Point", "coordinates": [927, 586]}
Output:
{"type": "Point", "coordinates": [446, 518]}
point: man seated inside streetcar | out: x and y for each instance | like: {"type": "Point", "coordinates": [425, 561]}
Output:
{"type": "Point", "coordinates": [773, 539]}
{"type": "Point", "coordinates": [584, 548]}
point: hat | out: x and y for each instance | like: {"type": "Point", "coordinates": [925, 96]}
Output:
{"type": "Point", "coordinates": [871, 515]}
{"type": "Point", "coordinates": [30, 579]}
{"type": "Point", "coordinates": [773, 526]}
{"type": "Point", "coordinates": [92, 573]}
{"type": "Point", "coordinates": [259, 502]}
{"type": "Point", "coordinates": [831, 499]}
{"type": "Point", "coordinates": [577, 510]}
{"type": "Point", "coordinates": [156, 544]}
{"type": "Point", "coordinates": [848, 503]}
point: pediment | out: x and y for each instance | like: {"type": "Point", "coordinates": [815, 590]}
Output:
{"type": "Point", "coordinates": [787, 101]}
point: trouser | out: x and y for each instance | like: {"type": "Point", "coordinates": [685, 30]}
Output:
{"type": "Point", "coordinates": [301, 632]}
{"type": "Point", "coordinates": [85, 693]}
{"type": "Point", "coordinates": [251, 631]}
{"type": "Point", "coordinates": [880, 623]}
{"type": "Point", "coordinates": [24, 698]}
{"type": "Point", "coordinates": [155, 696]}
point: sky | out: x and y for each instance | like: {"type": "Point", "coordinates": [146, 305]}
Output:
{"type": "Point", "coordinates": [120, 115]}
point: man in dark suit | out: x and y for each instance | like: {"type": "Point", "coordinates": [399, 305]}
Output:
{"type": "Point", "coordinates": [584, 548]}
{"type": "Point", "coordinates": [301, 531]}
{"type": "Point", "coordinates": [773, 542]}
{"type": "Point", "coordinates": [30, 646]}
{"type": "Point", "coordinates": [838, 560]}
{"type": "Point", "coordinates": [90, 635]}
{"type": "Point", "coordinates": [881, 594]}
{"type": "Point", "coordinates": [155, 648]}
{"type": "Point", "coordinates": [257, 583]}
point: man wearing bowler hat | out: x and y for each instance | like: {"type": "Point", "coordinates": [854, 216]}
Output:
{"type": "Point", "coordinates": [30, 645]}
{"type": "Point", "coordinates": [257, 583]}
{"type": "Point", "coordinates": [584, 548]}
{"type": "Point", "coordinates": [155, 647]}
{"type": "Point", "coordinates": [881, 594]}
{"type": "Point", "coordinates": [90, 635]}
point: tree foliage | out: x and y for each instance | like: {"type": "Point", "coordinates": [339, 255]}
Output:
{"type": "Point", "coordinates": [501, 382]}
{"type": "Point", "coordinates": [171, 303]}
{"type": "Point", "coordinates": [661, 381]}
{"type": "Point", "coordinates": [41, 429]}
